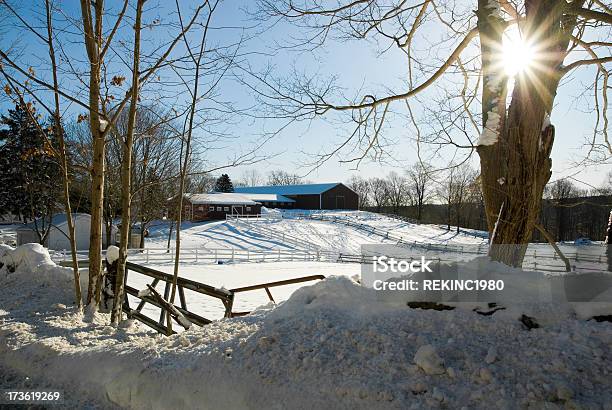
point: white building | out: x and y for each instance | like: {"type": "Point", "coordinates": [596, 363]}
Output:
{"type": "Point", "coordinates": [58, 238]}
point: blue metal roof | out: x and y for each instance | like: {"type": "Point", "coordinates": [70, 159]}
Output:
{"type": "Point", "coordinates": [304, 189]}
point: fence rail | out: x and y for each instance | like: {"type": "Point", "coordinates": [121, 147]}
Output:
{"type": "Point", "coordinates": [177, 313]}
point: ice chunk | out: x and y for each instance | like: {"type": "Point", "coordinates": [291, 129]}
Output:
{"type": "Point", "coordinates": [427, 359]}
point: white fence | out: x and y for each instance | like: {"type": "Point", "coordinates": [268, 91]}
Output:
{"type": "Point", "coordinates": [207, 255]}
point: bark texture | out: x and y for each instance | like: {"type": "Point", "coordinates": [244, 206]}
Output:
{"type": "Point", "coordinates": [126, 174]}
{"type": "Point", "coordinates": [92, 32]}
{"type": "Point", "coordinates": [517, 166]}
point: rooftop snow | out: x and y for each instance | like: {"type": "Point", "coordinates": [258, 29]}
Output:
{"type": "Point", "coordinates": [303, 189]}
{"type": "Point", "coordinates": [56, 220]}
{"type": "Point", "coordinates": [222, 198]}
{"type": "Point", "coordinates": [266, 197]}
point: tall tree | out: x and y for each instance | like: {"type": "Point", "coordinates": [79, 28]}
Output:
{"type": "Point", "coordinates": [362, 187]}
{"type": "Point", "coordinates": [224, 184]}
{"type": "Point", "coordinates": [419, 183]}
{"type": "Point", "coordinates": [29, 169]}
{"type": "Point", "coordinates": [399, 194]}
{"type": "Point", "coordinates": [126, 171]}
{"type": "Point", "coordinates": [515, 134]}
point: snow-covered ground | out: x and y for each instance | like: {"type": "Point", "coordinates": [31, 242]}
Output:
{"type": "Point", "coordinates": [324, 234]}
{"type": "Point", "coordinates": [334, 344]}
{"type": "Point", "coordinates": [8, 234]}
{"type": "Point", "coordinates": [292, 230]}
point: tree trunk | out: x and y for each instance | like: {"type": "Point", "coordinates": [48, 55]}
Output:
{"type": "Point", "coordinates": [126, 174]}
{"type": "Point", "coordinates": [92, 33]}
{"type": "Point", "coordinates": [517, 166]}
{"type": "Point", "coordinates": [59, 132]}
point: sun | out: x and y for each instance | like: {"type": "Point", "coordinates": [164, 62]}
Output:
{"type": "Point", "coordinates": [517, 54]}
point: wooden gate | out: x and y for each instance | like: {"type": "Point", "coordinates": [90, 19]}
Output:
{"type": "Point", "coordinates": [178, 313]}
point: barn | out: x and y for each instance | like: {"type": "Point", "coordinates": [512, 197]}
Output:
{"type": "Point", "coordinates": [216, 205]}
{"type": "Point", "coordinates": [308, 196]}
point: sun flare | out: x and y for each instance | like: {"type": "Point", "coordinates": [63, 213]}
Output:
{"type": "Point", "coordinates": [517, 54]}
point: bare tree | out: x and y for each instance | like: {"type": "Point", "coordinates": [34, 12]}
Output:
{"type": "Point", "coordinates": [381, 193]}
{"type": "Point", "coordinates": [92, 93]}
{"type": "Point", "coordinates": [559, 191]}
{"type": "Point", "coordinates": [514, 140]}
{"type": "Point", "coordinates": [362, 188]}
{"type": "Point", "coordinates": [126, 171]}
{"type": "Point", "coordinates": [250, 177]}
{"type": "Point", "coordinates": [419, 179]}
{"type": "Point", "coordinates": [398, 191]}
{"type": "Point", "coordinates": [201, 75]}
{"type": "Point", "coordinates": [280, 177]}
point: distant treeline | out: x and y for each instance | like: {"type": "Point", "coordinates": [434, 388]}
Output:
{"type": "Point", "coordinates": [565, 219]}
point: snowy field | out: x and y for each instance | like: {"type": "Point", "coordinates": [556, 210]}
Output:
{"type": "Point", "coordinates": [291, 231]}
{"type": "Point", "coordinates": [323, 234]}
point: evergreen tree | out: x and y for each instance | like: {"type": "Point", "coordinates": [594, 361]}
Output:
{"type": "Point", "coordinates": [224, 184]}
{"type": "Point", "coordinates": [29, 173]}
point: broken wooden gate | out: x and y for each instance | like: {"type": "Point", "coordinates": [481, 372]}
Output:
{"type": "Point", "coordinates": [226, 297]}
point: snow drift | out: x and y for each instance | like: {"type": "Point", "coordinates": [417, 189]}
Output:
{"type": "Point", "coordinates": [331, 345]}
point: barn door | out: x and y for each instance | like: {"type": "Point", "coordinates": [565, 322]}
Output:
{"type": "Point", "coordinates": [237, 210]}
{"type": "Point", "coordinates": [339, 202]}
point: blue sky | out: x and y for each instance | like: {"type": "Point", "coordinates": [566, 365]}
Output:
{"type": "Point", "coordinates": [358, 65]}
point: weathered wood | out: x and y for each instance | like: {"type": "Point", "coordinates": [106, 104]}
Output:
{"type": "Point", "coordinates": [185, 283]}
{"type": "Point", "coordinates": [182, 297]}
{"type": "Point", "coordinates": [162, 315]}
{"type": "Point", "coordinates": [278, 283]}
{"type": "Point", "coordinates": [193, 317]}
{"type": "Point", "coordinates": [142, 303]}
{"type": "Point", "coordinates": [170, 310]}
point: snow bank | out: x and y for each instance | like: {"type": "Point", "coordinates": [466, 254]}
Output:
{"type": "Point", "coordinates": [335, 344]}
{"type": "Point", "coordinates": [31, 260]}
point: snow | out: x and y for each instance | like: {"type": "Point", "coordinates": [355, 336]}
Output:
{"type": "Point", "coordinates": [103, 124]}
{"type": "Point", "coordinates": [333, 344]}
{"type": "Point", "coordinates": [428, 360]}
{"type": "Point", "coordinates": [220, 198]}
{"type": "Point", "coordinates": [490, 134]}
{"type": "Point", "coordinates": [266, 197]}
{"type": "Point", "coordinates": [112, 254]}
{"type": "Point", "coordinates": [32, 257]}
{"type": "Point", "coordinates": [546, 122]}
{"type": "Point", "coordinates": [324, 234]}
{"type": "Point", "coordinates": [231, 276]}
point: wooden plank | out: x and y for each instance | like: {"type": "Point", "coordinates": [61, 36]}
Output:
{"type": "Point", "coordinates": [278, 283]}
{"type": "Point", "coordinates": [270, 295]}
{"type": "Point", "coordinates": [186, 283]}
{"type": "Point", "coordinates": [162, 315]}
{"type": "Point", "coordinates": [142, 302]}
{"type": "Point", "coordinates": [181, 293]}
{"type": "Point", "coordinates": [149, 322]}
{"type": "Point", "coordinates": [193, 317]}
